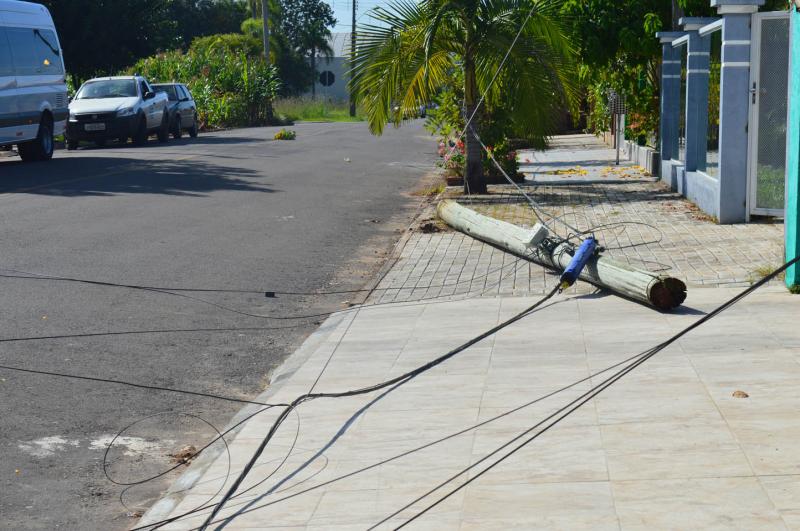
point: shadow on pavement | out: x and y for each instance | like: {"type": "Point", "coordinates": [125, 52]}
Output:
{"type": "Point", "coordinates": [106, 176]}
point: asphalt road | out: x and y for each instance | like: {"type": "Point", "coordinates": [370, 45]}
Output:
{"type": "Point", "coordinates": [228, 210]}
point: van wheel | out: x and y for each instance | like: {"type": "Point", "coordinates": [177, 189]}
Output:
{"type": "Point", "coordinates": [178, 131]}
{"type": "Point", "coordinates": [140, 136]}
{"type": "Point", "coordinates": [72, 145]}
{"type": "Point", "coordinates": [101, 142]}
{"type": "Point", "coordinates": [42, 147]}
{"type": "Point", "coordinates": [163, 131]}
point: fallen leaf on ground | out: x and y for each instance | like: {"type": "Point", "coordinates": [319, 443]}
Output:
{"type": "Point", "coordinates": [429, 227]}
{"type": "Point", "coordinates": [184, 455]}
{"type": "Point", "coordinates": [740, 394]}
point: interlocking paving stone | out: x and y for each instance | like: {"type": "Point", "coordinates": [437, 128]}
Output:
{"type": "Point", "coordinates": [642, 223]}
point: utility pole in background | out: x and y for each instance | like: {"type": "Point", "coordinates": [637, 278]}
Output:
{"type": "Point", "coordinates": [265, 18]}
{"type": "Point", "coordinates": [677, 13]}
{"type": "Point", "coordinates": [352, 58]}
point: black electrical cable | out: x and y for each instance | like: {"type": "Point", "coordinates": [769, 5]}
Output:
{"type": "Point", "coordinates": [131, 384]}
{"type": "Point", "coordinates": [397, 380]}
{"type": "Point", "coordinates": [436, 299]}
{"type": "Point", "coordinates": [407, 452]}
{"type": "Point", "coordinates": [130, 485]}
{"type": "Point", "coordinates": [570, 408]}
{"type": "Point", "coordinates": [147, 332]}
{"type": "Point", "coordinates": [177, 292]}
{"type": "Point", "coordinates": [27, 275]}
{"type": "Point", "coordinates": [138, 386]}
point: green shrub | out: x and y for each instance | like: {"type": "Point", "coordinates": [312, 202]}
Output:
{"type": "Point", "coordinates": [232, 86]}
{"type": "Point", "coordinates": [447, 121]}
{"type": "Point", "coordinates": [285, 134]}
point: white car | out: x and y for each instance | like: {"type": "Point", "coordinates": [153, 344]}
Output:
{"type": "Point", "coordinates": [117, 108]}
{"type": "Point", "coordinates": [33, 90]}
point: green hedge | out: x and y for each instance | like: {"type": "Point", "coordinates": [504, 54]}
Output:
{"type": "Point", "coordinates": [232, 86]}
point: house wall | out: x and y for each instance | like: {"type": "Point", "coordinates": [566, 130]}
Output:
{"type": "Point", "coordinates": [337, 91]}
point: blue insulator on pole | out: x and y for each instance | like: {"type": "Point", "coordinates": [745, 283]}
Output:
{"type": "Point", "coordinates": [579, 259]}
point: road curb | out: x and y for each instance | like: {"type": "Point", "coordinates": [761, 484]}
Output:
{"type": "Point", "coordinates": [174, 495]}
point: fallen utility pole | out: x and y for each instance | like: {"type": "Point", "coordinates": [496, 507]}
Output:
{"type": "Point", "coordinates": [660, 291]}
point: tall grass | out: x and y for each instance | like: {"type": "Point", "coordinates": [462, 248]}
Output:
{"type": "Point", "coordinates": [315, 110]}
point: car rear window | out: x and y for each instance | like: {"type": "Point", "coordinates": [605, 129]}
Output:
{"type": "Point", "coordinates": [172, 94]}
{"type": "Point", "coordinates": [107, 88]}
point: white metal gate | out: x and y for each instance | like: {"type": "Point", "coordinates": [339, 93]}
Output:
{"type": "Point", "coordinates": [769, 88]}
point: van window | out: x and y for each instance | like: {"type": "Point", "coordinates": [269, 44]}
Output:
{"type": "Point", "coordinates": [47, 52]}
{"type": "Point", "coordinates": [23, 51]}
{"type": "Point", "coordinates": [6, 64]}
{"type": "Point", "coordinates": [34, 51]}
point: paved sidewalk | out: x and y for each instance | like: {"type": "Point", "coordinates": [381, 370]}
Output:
{"type": "Point", "coordinates": [669, 446]}
{"type": "Point", "coordinates": [578, 158]}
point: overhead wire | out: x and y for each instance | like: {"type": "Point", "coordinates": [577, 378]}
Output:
{"type": "Point", "coordinates": [178, 293]}
{"type": "Point", "coordinates": [135, 385]}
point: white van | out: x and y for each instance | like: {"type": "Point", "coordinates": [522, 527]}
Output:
{"type": "Point", "coordinates": [33, 90]}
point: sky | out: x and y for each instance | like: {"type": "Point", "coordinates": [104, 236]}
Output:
{"type": "Point", "coordinates": [342, 10]}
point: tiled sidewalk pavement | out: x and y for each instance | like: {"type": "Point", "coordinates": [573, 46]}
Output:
{"type": "Point", "coordinates": [668, 447]}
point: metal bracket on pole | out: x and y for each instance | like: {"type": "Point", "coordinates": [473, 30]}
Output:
{"type": "Point", "coordinates": [618, 109]}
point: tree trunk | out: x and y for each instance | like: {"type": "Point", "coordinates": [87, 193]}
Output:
{"type": "Point", "coordinates": [474, 181]}
{"type": "Point", "coordinates": [265, 22]}
{"type": "Point", "coordinates": [313, 73]}
{"type": "Point", "coordinates": [677, 13]}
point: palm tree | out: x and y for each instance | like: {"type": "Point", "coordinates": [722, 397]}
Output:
{"type": "Point", "coordinates": [412, 50]}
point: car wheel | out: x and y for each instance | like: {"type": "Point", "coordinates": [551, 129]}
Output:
{"type": "Point", "coordinates": [122, 140]}
{"type": "Point", "coordinates": [101, 142]}
{"type": "Point", "coordinates": [178, 131]}
{"type": "Point", "coordinates": [163, 131]}
{"type": "Point", "coordinates": [72, 145]}
{"type": "Point", "coordinates": [193, 129]}
{"type": "Point", "coordinates": [140, 136]}
{"type": "Point", "coordinates": [42, 147]}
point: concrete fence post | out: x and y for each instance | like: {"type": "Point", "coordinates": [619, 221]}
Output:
{"type": "Point", "coordinates": [734, 108]}
{"type": "Point", "coordinates": [670, 95]}
{"type": "Point", "coordinates": [697, 72]}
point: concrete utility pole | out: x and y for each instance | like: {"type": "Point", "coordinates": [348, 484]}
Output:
{"type": "Point", "coordinates": [265, 19]}
{"type": "Point", "coordinates": [352, 58]}
{"type": "Point", "coordinates": [659, 291]}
